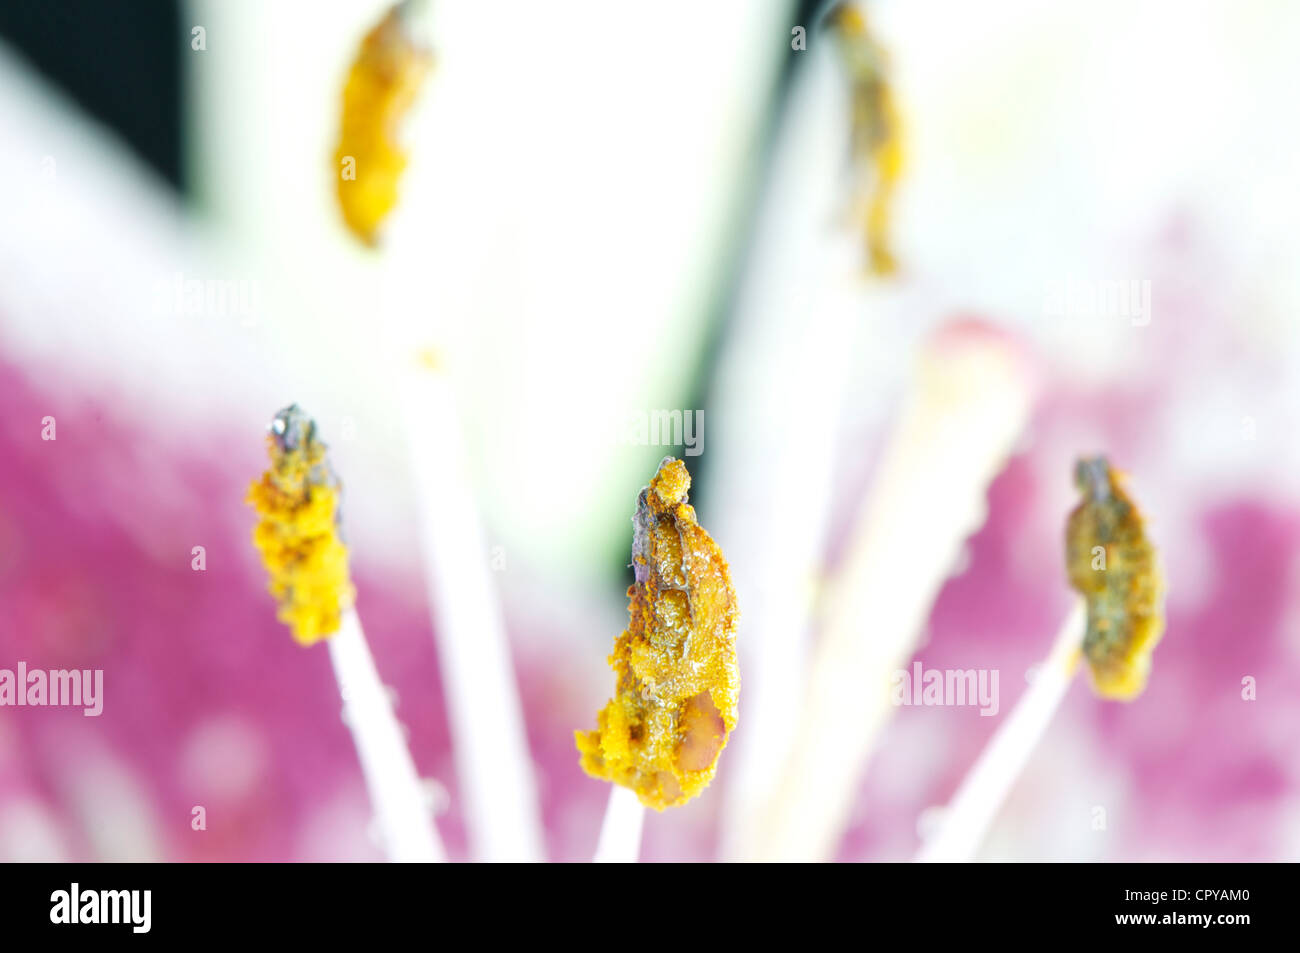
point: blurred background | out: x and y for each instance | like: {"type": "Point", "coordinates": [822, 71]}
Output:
{"type": "Point", "coordinates": [613, 210]}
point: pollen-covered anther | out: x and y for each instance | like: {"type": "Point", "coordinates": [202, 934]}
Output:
{"type": "Point", "coordinates": [1112, 563]}
{"type": "Point", "coordinates": [678, 679]}
{"type": "Point", "coordinates": [297, 533]}
{"type": "Point", "coordinates": [381, 87]}
{"type": "Point", "coordinates": [876, 136]}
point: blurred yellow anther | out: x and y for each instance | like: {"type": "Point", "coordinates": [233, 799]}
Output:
{"type": "Point", "coordinates": [381, 86]}
{"type": "Point", "coordinates": [1113, 564]}
{"type": "Point", "coordinates": [297, 534]}
{"type": "Point", "coordinates": [876, 134]}
{"type": "Point", "coordinates": [678, 682]}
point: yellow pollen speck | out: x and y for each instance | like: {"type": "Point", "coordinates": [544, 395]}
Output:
{"type": "Point", "coordinates": [429, 359]}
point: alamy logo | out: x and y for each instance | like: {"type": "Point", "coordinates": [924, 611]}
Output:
{"type": "Point", "coordinates": [659, 428]}
{"type": "Point", "coordinates": [1073, 298]}
{"type": "Point", "coordinates": [56, 688]}
{"type": "Point", "coordinates": [183, 296]}
{"type": "Point", "coordinates": [131, 907]}
{"type": "Point", "coordinates": [950, 687]}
